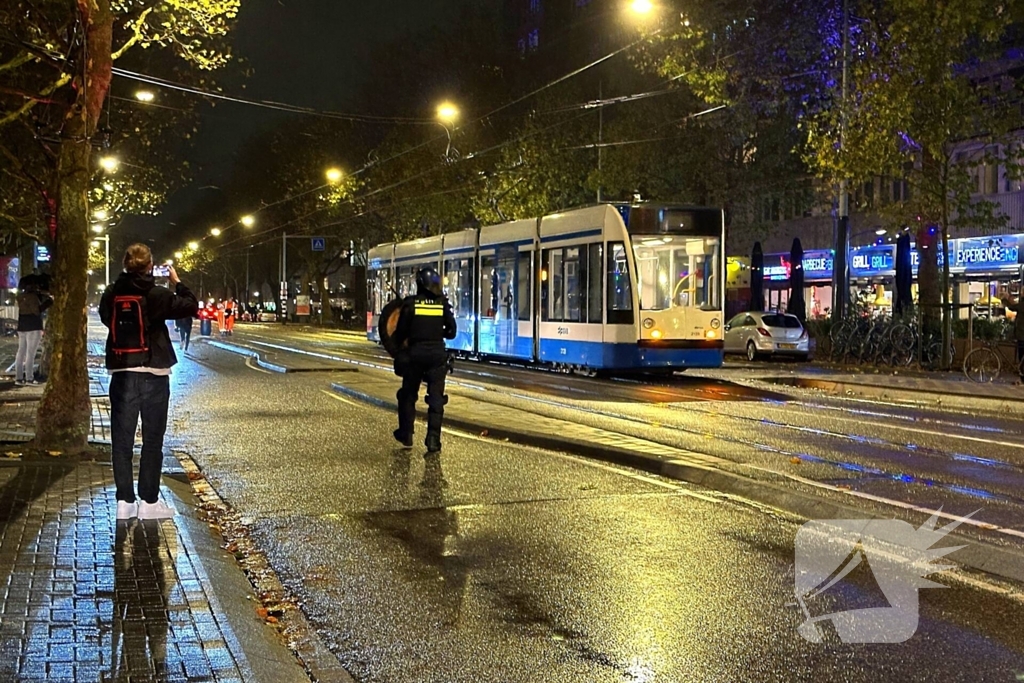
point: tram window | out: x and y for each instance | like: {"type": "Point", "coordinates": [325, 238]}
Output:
{"type": "Point", "coordinates": [555, 286]}
{"type": "Point", "coordinates": [573, 280]}
{"type": "Point", "coordinates": [620, 290]}
{"type": "Point", "coordinates": [595, 291]}
{"type": "Point", "coordinates": [523, 280]}
{"type": "Point", "coordinates": [407, 280]}
{"type": "Point", "coordinates": [458, 286]}
{"type": "Point", "coordinates": [497, 297]}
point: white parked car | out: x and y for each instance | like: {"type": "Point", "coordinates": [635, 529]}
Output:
{"type": "Point", "coordinates": [757, 335]}
{"type": "Point", "coordinates": [266, 317]}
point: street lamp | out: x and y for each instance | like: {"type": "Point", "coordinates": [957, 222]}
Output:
{"type": "Point", "coordinates": [248, 220]}
{"type": "Point", "coordinates": [109, 163]}
{"type": "Point", "coordinates": [642, 7]}
{"type": "Point", "coordinates": [334, 175]}
{"type": "Point", "coordinates": [106, 251]}
{"type": "Point", "coordinates": [215, 232]}
{"type": "Point", "coordinates": [447, 115]}
{"type": "Point", "coordinates": [193, 245]}
{"type": "Point", "coordinates": [179, 255]}
{"type": "Point", "coordinates": [145, 96]}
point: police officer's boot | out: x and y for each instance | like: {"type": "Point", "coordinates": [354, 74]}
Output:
{"type": "Point", "coordinates": [433, 442]}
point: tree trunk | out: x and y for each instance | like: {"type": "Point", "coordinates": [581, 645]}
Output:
{"type": "Point", "coordinates": [928, 276]}
{"type": "Point", "coordinates": [947, 313]}
{"type": "Point", "coordinates": [62, 422]}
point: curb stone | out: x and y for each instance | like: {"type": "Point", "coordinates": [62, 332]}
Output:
{"type": "Point", "coordinates": [301, 638]}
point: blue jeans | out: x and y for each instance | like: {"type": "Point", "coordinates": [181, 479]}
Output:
{"type": "Point", "coordinates": [134, 395]}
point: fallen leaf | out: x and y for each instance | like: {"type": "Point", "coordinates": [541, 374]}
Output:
{"type": "Point", "coordinates": [795, 461]}
{"type": "Point", "coordinates": [9, 454]}
{"type": "Point", "coordinates": [261, 612]}
{"type": "Point", "coordinates": [195, 476]}
{"type": "Point", "coordinates": [54, 453]}
{"type": "Point", "coordinates": [271, 620]}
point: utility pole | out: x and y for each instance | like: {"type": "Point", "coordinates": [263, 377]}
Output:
{"type": "Point", "coordinates": [600, 136]}
{"type": "Point", "coordinates": [840, 269]}
{"type": "Point", "coordinates": [247, 276]}
{"type": "Point", "coordinates": [284, 278]}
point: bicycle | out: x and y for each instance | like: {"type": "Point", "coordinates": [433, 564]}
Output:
{"type": "Point", "coordinates": [983, 364]}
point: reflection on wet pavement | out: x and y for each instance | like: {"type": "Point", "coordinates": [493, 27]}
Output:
{"type": "Point", "coordinates": [86, 598]}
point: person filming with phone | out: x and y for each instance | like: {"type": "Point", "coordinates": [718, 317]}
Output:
{"type": "Point", "coordinates": [139, 358]}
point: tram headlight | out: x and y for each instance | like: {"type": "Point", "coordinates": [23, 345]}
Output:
{"type": "Point", "coordinates": [715, 323]}
{"type": "Point", "coordinates": [710, 334]}
{"type": "Point", "coordinates": [648, 323]}
{"type": "Point", "coordinates": [656, 334]}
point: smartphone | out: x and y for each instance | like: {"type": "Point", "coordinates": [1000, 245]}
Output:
{"type": "Point", "coordinates": [161, 271]}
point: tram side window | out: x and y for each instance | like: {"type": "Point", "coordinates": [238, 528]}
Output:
{"type": "Point", "coordinates": [555, 309]}
{"type": "Point", "coordinates": [406, 276]}
{"type": "Point", "coordinates": [497, 293]}
{"type": "Point", "coordinates": [458, 286]}
{"type": "Point", "coordinates": [620, 291]}
{"type": "Point", "coordinates": [523, 284]}
{"type": "Point", "coordinates": [575, 279]}
{"type": "Point", "coordinates": [595, 291]}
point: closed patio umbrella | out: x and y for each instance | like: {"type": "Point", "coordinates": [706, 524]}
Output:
{"type": "Point", "coordinates": [757, 278]}
{"type": "Point", "coordinates": [796, 306]}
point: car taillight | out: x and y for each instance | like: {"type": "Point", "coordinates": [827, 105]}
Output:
{"type": "Point", "coordinates": [764, 332]}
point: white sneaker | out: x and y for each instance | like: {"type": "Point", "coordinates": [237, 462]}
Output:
{"type": "Point", "coordinates": [127, 510]}
{"type": "Point", "coordinates": [157, 510]}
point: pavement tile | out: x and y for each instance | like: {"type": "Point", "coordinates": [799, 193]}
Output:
{"type": "Point", "coordinates": [85, 598]}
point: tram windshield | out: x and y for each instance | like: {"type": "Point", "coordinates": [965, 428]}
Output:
{"type": "Point", "coordinates": [678, 271]}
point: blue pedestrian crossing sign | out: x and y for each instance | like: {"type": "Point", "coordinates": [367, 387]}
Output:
{"type": "Point", "coordinates": [319, 244]}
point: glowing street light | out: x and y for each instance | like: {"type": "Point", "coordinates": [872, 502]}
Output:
{"type": "Point", "coordinates": [642, 7]}
{"type": "Point", "coordinates": [193, 245]}
{"type": "Point", "coordinates": [447, 113]}
{"type": "Point", "coordinates": [98, 229]}
{"type": "Point", "coordinates": [215, 232]}
{"type": "Point", "coordinates": [145, 95]}
{"type": "Point", "coordinates": [109, 163]}
{"type": "Point", "coordinates": [248, 220]}
{"type": "Point", "coordinates": [334, 175]}
{"type": "Point", "coordinates": [179, 255]}
{"type": "Point", "coordinates": [101, 214]}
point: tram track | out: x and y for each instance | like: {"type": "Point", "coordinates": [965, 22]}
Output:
{"type": "Point", "coordinates": [874, 450]}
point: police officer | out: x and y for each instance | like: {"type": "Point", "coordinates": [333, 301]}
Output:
{"type": "Point", "coordinates": [425, 321]}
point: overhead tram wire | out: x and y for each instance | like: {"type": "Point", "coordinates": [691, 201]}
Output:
{"type": "Point", "coordinates": [267, 104]}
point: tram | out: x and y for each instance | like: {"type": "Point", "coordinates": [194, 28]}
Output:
{"type": "Point", "coordinates": [604, 288]}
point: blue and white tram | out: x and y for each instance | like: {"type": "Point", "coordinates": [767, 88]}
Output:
{"type": "Point", "coordinates": [606, 287]}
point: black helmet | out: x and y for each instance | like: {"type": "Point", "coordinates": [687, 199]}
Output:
{"type": "Point", "coordinates": [428, 281]}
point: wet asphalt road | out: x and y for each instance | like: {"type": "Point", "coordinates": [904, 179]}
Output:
{"type": "Point", "coordinates": [907, 454]}
{"type": "Point", "coordinates": [502, 563]}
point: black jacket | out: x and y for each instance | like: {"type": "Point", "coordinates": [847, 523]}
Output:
{"type": "Point", "coordinates": [161, 305]}
{"type": "Point", "coordinates": [425, 322]}
{"type": "Point", "coordinates": [32, 303]}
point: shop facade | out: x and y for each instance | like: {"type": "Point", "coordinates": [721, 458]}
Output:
{"type": "Point", "coordinates": [981, 269]}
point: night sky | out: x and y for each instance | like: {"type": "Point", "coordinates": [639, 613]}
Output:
{"type": "Point", "coordinates": [312, 53]}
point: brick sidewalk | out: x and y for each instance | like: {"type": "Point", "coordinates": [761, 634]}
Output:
{"type": "Point", "coordinates": [85, 598]}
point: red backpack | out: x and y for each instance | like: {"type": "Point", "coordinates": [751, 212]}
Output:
{"type": "Point", "coordinates": [129, 330]}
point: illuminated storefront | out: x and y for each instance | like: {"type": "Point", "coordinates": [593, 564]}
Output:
{"type": "Point", "coordinates": [980, 267]}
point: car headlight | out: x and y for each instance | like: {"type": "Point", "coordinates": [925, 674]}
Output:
{"type": "Point", "coordinates": [715, 323]}
{"type": "Point", "coordinates": [648, 323]}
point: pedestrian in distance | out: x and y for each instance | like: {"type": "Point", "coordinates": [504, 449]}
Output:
{"type": "Point", "coordinates": [1018, 329]}
{"type": "Point", "coordinates": [32, 303]}
{"type": "Point", "coordinates": [184, 327]}
{"type": "Point", "coordinates": [139, 358]}
{"type": "Point", "coordinates": [425, 321]}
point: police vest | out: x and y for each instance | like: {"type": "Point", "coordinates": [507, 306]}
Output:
{"type": "Point", "coordinates": [427, 322]}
